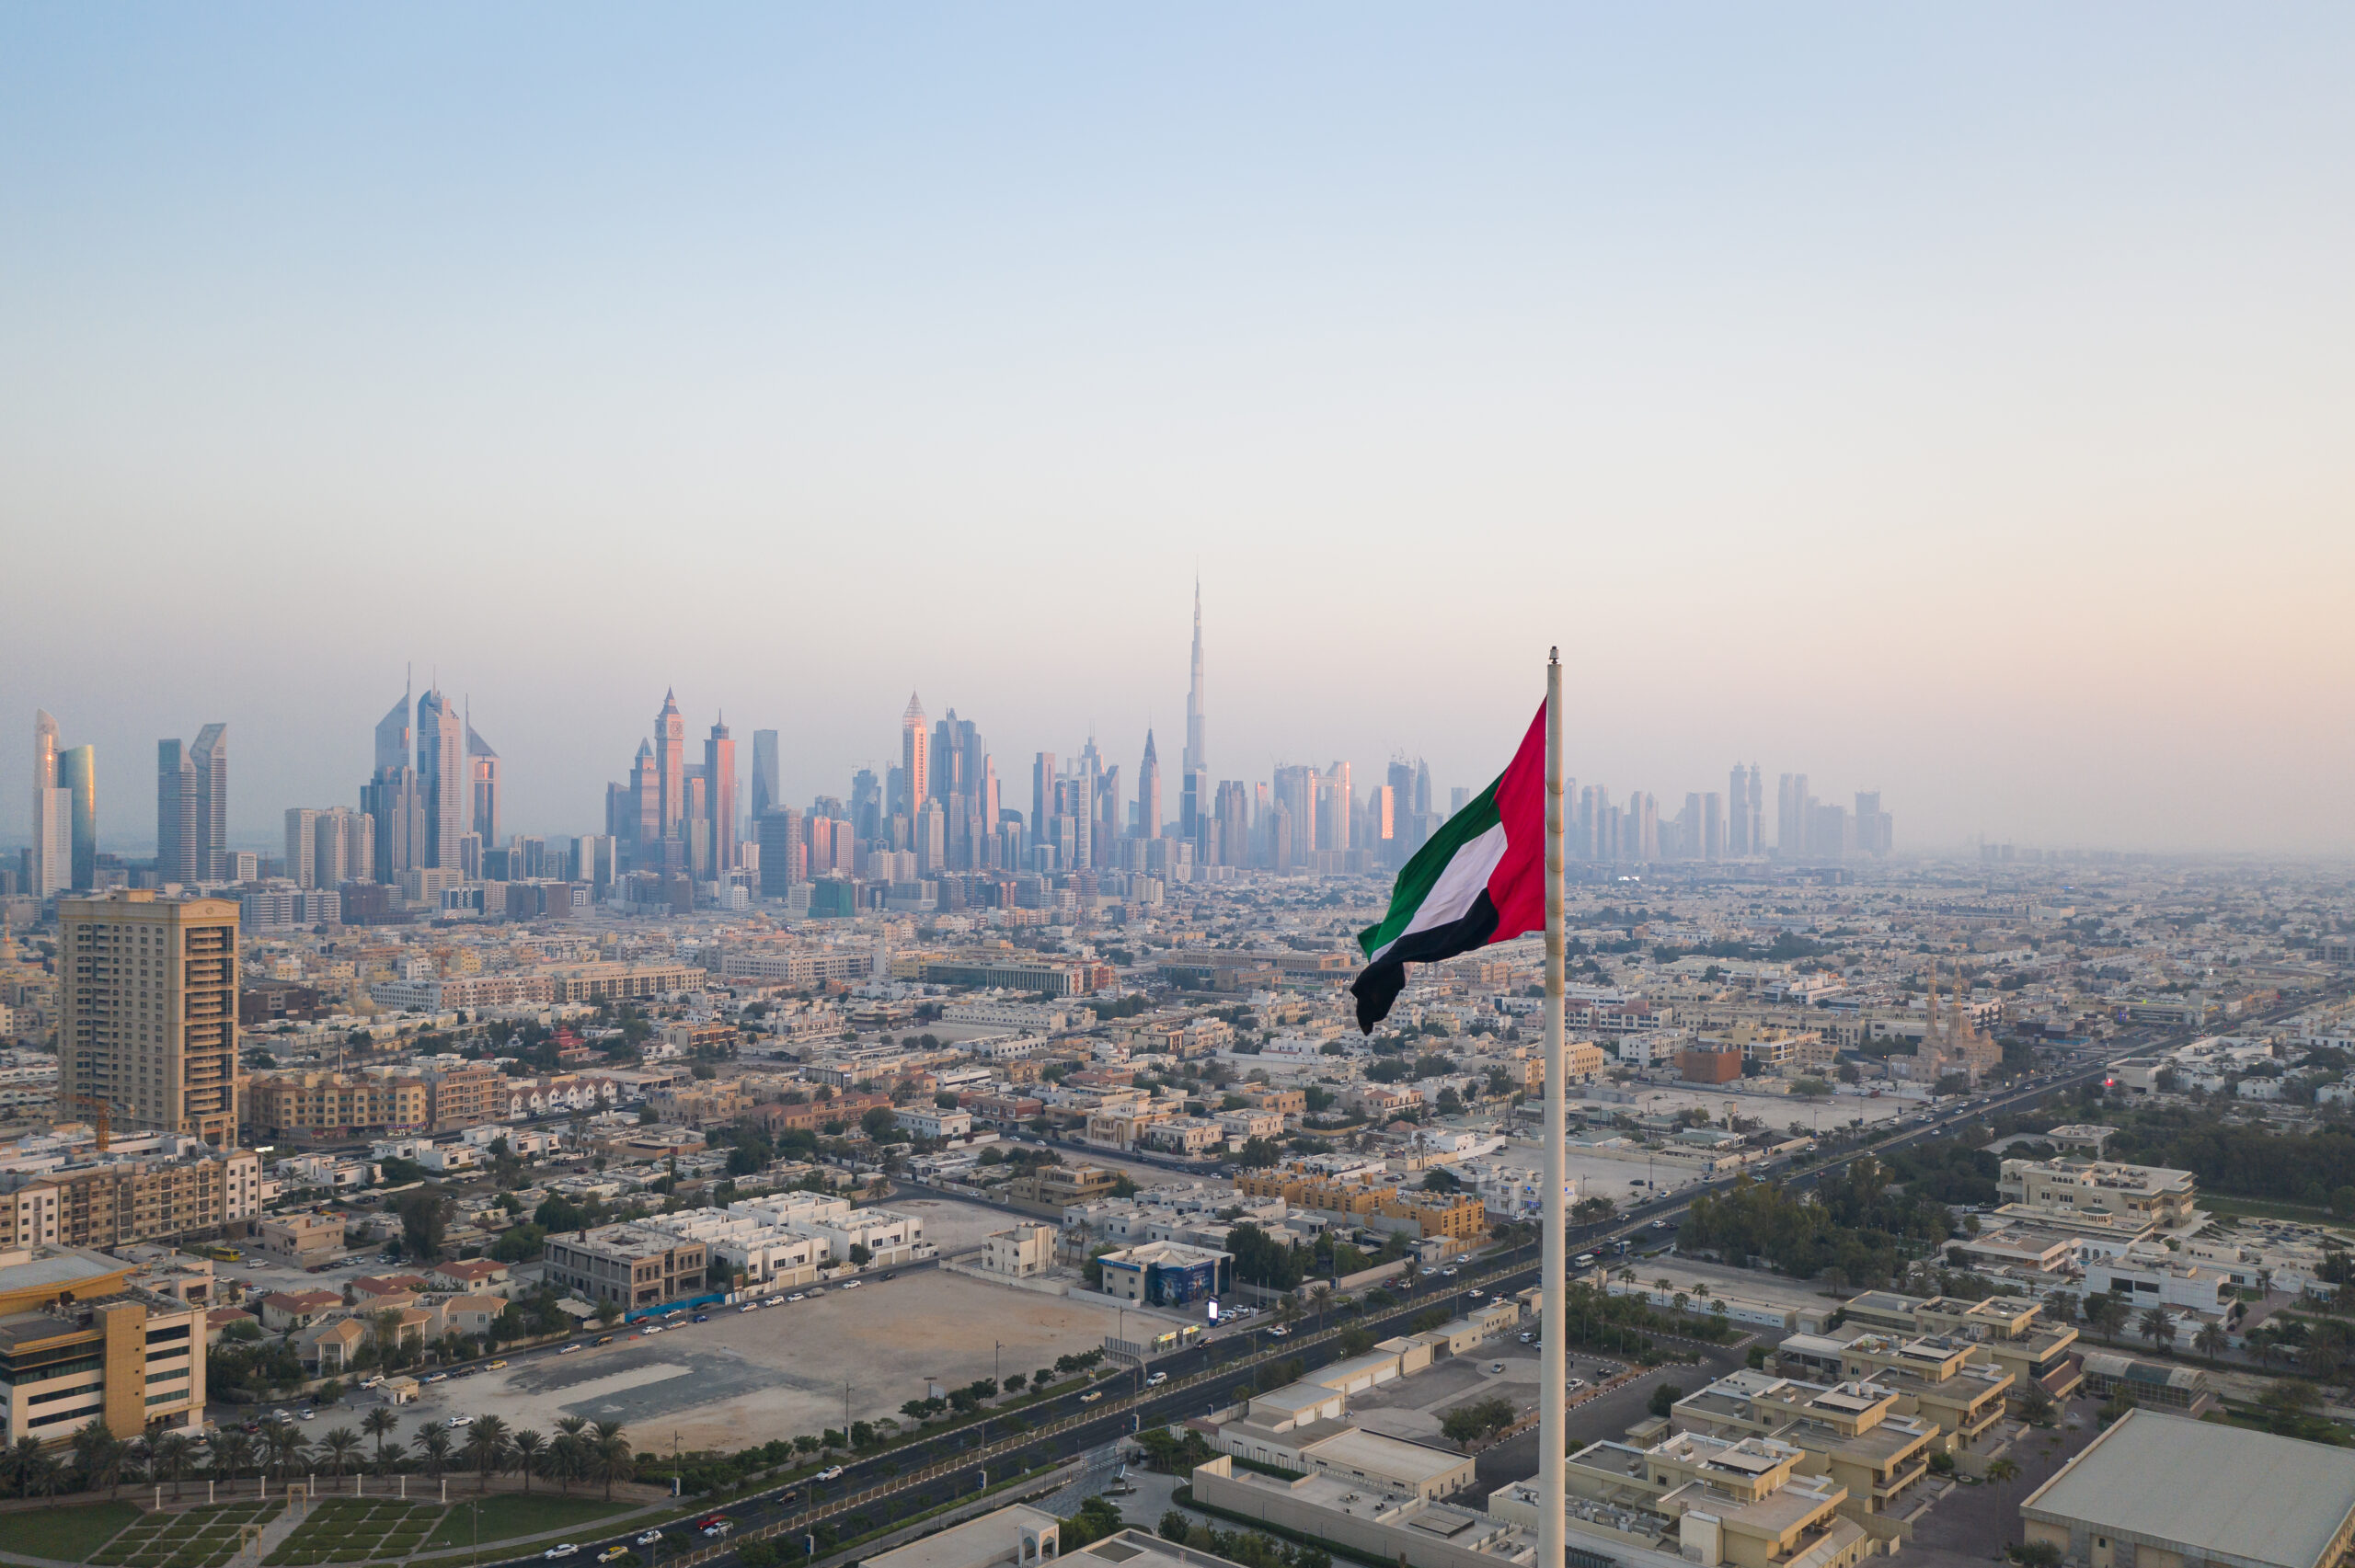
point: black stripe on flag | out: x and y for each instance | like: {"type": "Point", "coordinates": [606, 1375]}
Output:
{"type": "Point", "coordinates": [1379, 983]}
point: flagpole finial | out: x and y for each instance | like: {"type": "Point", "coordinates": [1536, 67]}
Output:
{"type": "Point", "coordinates": [1554, 655]}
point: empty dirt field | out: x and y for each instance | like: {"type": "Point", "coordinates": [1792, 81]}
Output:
{"type": "Point", "coordinates": [744, 1378]}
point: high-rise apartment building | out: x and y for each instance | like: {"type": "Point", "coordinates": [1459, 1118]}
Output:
{"type": "Point", "coordinates": [765, 775]}
{"type": "Point", "coordinates": [1792, 807]}
{"type": "Point", "coordinates": [1042, 793]}
{"type": "Point", "coordinates": [1713, 825]}
{"type": "Point", "coordinates": [1738, 824]}
{"type": "Point", "coordinates": [720, 794]}
{"type": "Point", "coordinates": [1875, 828]}
{"type": "Point", "coordinates": [302, 846]}
{"type": "Point", "coordinates": [53, 846]}
{"type": "Point", "coordinates": [176, 835]}
{"type": "Point", "coordinates": [147, 1011]}
{"type": "Point", "coordinates": [482, 767]}
{"type": "Point", "coordinates": [443, 778]}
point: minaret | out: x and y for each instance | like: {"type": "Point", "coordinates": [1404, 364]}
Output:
{"type": "Point", "coordinates": [1195, 764]}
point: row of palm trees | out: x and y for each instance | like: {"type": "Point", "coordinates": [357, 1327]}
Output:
{"type": "Point", "coordinates": [580, 1452]}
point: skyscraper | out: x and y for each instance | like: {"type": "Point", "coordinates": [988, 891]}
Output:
{"type": "Point", "coordinates": [148, 1023]}
{"type": "Point", "coordinates": [482, 765]}
{"type": "Point", "coordinates": [915, 761]}
{"type": "Point", "coordinates": [670, 768]}
{"type": "Point", "coordinates": [392, 800]}
{"type": "Point", "coordinates": [209, 760]}
{"type": "Point", "coordinates": [1792, 807]}
{"type": "Point", "coordinates": [303, 846]}
{"type": "Point", "coordinates": [764, 796]}
{"type": "Point", "coordinates": [1042, 795]}
{"type": "Point", "coordinates": [52, 849]}
{"type": "Point", "coordinates": [442, 779]}
{"type": "Point", "coordinates": [176, 835]}
{"type": "Point", "coordinates": [1738, 824]}
{"type": "Point", "coordinates": [1149, 792]}
{"type": "Point", "coordinates": [78, 775]}
{"type": "Point", "coordinates": [1194, 766]}
{"type": "Point", "coordinates": [720, 793]}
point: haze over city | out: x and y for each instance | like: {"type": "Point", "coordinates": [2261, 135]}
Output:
{"type": "Point", "coordinates": [1951, 404]}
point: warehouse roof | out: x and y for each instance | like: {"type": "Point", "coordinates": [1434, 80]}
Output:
{"type": "Point", "coordinates": [2225, 1492]}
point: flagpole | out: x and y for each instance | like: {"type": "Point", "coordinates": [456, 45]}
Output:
{"type": "Point", "coordinates": [1553, 1364]}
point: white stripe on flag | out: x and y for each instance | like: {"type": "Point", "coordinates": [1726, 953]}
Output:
{"type": "Point", "coordinates": [1466, 879]}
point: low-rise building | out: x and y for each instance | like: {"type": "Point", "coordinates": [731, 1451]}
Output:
{"type": "Point", "coordinates": [1022, 1252]}
{"type": "Point", "coordinates": [1168, 1274]}
{"type": "Point", "coordinates": [78, 1342]}
{"type": "Point", "coordinates": [632, 1266]}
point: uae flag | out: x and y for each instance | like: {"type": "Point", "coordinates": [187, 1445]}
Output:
{"type": "Point", "coordinates": [1481, 878]}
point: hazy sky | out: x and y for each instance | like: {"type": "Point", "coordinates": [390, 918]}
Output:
{"type": "Point", "coordinates": [1949, 399]}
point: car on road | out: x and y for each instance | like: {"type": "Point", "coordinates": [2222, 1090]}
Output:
{"type": "Point", "coordinates": [652, 1537]}
{"type": "Point", "coordinates": [1660, 1224]}
{"type": "Point", "coordinates": [496, 1366]}
{"type": "Point", "coordinates": [612, 1553]}
{"type": "Point", "coordinates": [567, 1550]}
{"type": "Point", "coordinates": [853, 1283]}
{"type": "Point", "coordinates": [776, 1302]}
{"type": "Point", "coordinates": [832, 1472]}
{"type": "Point", "coordinates": [439, 1378]}
{"type": "Point", "coordinates": [1091, 1397]}
{"type": "Point", "coordinates": [1528, 1338]}
{"type": "Point", "coordinates": [1448, 1271]}
{"type": "Point", "coordinates": [569, 1349]}
{"type": "Point", "coordinates": [651, 1331]}
{"type": "Point", "coordinates": [1278, 1331]}
{"type": "Point", "coordinates": [703, 1317]}
{"type": "Point", "coordinates": [602, 1339]}
{"type": "Point", "coordinates": [722, 1528]}
{"type": "Point", "coordinates": [1428, 1272]}
{"type": "Point", "coordinates": [1157, 1379]}
{"type": "Point", "coordinates": [1473, 1295]}
{"type": "Point", "coordinates": [749, 1307]}
{"type": "Point", "coordinates": [797, 1296]}
{"type": "Point", "coordinates": [1495, 1365]}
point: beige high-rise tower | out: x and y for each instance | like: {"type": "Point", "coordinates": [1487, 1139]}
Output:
{"type": "Point", "coordinates": [147, 1012]}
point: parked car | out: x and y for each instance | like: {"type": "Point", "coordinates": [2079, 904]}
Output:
{"type": "Point", "coordinates": [1495, 1365]}
{"type": "Point", "coordinates": [602, 1339]}
{"type": "Point", "coordinates": [853, 1283]}
{"type": "Point", "coordinates": [749, 1307]}
{"type": "Point", "coordinates": [459, 1420]}
{"type": "Point", "coordinates": [797, 1295]}
{"type": "Point", "coordinates": [496, 1366]}
{"type": "Point", "coordinates": [653, 1330]}
{"type": "Point", "coordinates": [437, 1378]}
{"type": "Point", "coordinates": [703, 1317]}
{"type": "Point", "coordinates": [569, 1349]}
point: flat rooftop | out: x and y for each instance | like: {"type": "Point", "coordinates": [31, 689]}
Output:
{"type": "Point", "coordinates": [2222, 1492]}
{"type": "Point", "coordinates": [991, 1538]}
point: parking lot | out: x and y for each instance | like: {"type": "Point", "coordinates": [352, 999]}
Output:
{"type": "Point", "coordinates": [744, 1378]}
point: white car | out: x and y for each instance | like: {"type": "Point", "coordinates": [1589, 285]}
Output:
{"type": "Point", "coordinates": [797, 1296]}
{"type": "Point", "coordinates": [832, 1472]}
{"type": "Point", "coordinates": [853, 1283]}
{"type": "Point", "coordinates": [1157, 1379]}
{"type": "Point", "coordinates": [570, 1349]}
{"type": "Point", "coordinates": [567, 1550]}
{"type": "Point", "coordinates": [459, 1420]}
{"type": "Point", "coordinates": [779, 1300]}
{"type": "Point", "coordinates": [652, 1537]}
{"type": "Point", "coordinates": [652, 1332]}
{"type": "Point", "coordinates": [1278, 1331]}
{"type": "Point", "coordinates": [749, 1307]}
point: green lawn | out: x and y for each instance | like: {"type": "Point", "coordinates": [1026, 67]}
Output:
{"type": "Point", "coordinates": [70, 1535]}
{"type": "Point", "coordinates": [506, 1513]}
{"type": "Point", "coordinates": [2266, 1209]}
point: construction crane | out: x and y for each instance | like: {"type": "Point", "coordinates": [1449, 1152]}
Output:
{"type": "Point", "coordinates": [103, 1114]}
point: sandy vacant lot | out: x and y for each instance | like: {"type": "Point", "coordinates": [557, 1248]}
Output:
{"type": "Point", "coordinates": [744, 1378]}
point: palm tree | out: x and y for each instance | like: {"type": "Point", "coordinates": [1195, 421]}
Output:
{"type": "Point", "coordinates": [432, 1446]}
{"type": "Point", "coordinates": [288, 1449]}
{"type": "Point", "coordinates": [2063, 1305]}
{"type": "Point", "coordinates": [487, 1448]}
{"type": "Point", "coordinates": [380, 1424]}
{"type": "Point", "coordinates": [233, 1454]}
{"type": "Point", "coordinates": [173, 1455]}
{"type": "Point", "coordinates": [2158, 1323]}
{"type": "Point", "coordinates": [610, 1452]}
{"type": "Point", "coordinates": [102, 1456]}
{"type": "Point", "coordinates": [39, 1473]}
{"type": "Point", "coordinates": [339, 1447]}
{"type": "Point", "coordinates": [1679, 1301]}
{"type": "Point", "coordinates": [2003, 1472]}
{"type": "Point", "coordinates": [531, 1450]}
{"type": "Point", "coordinates": [567, 1455]}
{"type": "Point", "coordinates": [1322, 1295]}
{"type": "Point", "coordinates": [2210, 1341]}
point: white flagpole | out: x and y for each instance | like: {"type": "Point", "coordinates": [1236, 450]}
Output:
{"type": "Point", "coordinates": [1553, 1364]}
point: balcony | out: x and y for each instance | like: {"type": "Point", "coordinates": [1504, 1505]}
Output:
{"type": "Point", "coordinates": [1900, 1478]}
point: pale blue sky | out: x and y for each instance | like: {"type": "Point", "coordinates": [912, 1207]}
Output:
{"type": "Point", "coordinates": [1949, 399]}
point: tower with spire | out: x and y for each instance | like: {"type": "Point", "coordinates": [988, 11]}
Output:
{"type": "Point", "coordinates": [670, 766]}
{"type": "Point", "coordinates": [1195, 765]}
{"type": "Point", "coordinates": [915, 761]}
{"type": "Point", "coordinates": [1149, 792]}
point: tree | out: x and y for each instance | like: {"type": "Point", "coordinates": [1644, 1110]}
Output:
{"type": "Point", "coordinates": [529, 1449]}
{"type": "Point", "coordinates": [380, 1424]}
{"type": "Point", "coordinates": [172, 1456]}
{"type": "Point", "coordinates": [338, 1447]}
{"type": "Point", "coordinates": [425, 1221]}
{"type": "Point", "coordinates": [2107, 1314]}
{"type": "Point", "coordinates": [1664, 1398]}
{"type": "Point", "coordinates": [101, 1455]}
{"type": "Point", "coordinates": [2037, 1554]}
{"type": "Point", "coordinates": [2210, 1341]}
{"type": "Point", "coordinates": [288, 1449]}
{"type": "Point", "coordinates": [607, 1313]}
{"type": "Point", "coordinates": [432, 1446]}
{"type": "Point", "coordinates": [1174, 1527]}
{"type": "Point", "coordinates": [610, 1456]}
{"type": "Point", "coordinates": [232, 1454]}
{"type": "Point", "coordinates": [2036, 1405]}
{"type": "Point", "coordinates": [1258, 1153]}
{"type": "Point", "coordinates": [487, 1448]}
{"type": "Point", "coordinates": [2002, 1472]}
{"type": "Point", "coordinates": [2157, 1324]}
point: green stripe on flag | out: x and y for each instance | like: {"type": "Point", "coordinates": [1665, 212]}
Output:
{"type": "Point", "coordinates": [1415, 883]}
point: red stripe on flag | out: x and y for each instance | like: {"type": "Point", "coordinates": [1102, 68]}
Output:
{"type": "Point", "coordinates": [1517, 887]}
